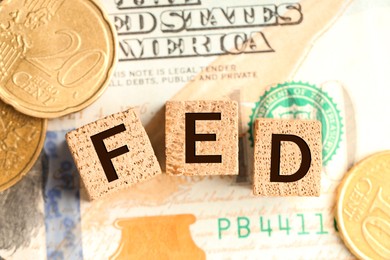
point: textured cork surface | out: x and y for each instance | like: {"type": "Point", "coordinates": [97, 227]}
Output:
{"type": "Point", "coordinates": [225, 129]}
{"type": "Point", "coordinates": [136, 165]}
{"type": "Point", "coordinates": [290, 157]}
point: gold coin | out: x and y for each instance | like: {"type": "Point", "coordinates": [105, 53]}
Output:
{"type": "Point", "coordinates": [56, 56]}
{"type": "Point", "coordinates": [21, 142]}
{"type": "Point", "coordinates": [363, 208]}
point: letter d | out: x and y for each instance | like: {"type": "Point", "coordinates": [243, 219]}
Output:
{"type": "Point", "coordinates": [275, 158]}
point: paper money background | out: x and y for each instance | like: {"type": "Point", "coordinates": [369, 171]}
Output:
{"type": "Point", "coordinates": [340, 47]}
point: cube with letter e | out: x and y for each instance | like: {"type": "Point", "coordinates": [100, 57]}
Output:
{"type": "Point", "coordinates": [201, 137]}
{"type": "Point", "coordinates": [112, 153]}
{"type": "Point", "coordinates": [287, 157]}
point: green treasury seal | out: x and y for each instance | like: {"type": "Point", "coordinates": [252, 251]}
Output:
{"type": "Point", "coordinates": [297, 100]}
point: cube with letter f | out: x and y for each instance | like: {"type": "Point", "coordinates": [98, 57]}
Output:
{"type": "Point", "coordinates": [201, 137]}
{"type": "Point", "coordinates": [112, 153]}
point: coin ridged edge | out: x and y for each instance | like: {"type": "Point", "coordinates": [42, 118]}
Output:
{"type": "Point", "coordinates": [341, 192]}
{"type": "Point", "coordinates": [32, 161]}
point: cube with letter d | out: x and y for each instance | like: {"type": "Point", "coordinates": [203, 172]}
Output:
{"type": "Point", "coordinates": [287, 157]}
{"type": "Point", "coordinates": [201, 137]}
{"type": "Point", "coordinates": [112, 153]}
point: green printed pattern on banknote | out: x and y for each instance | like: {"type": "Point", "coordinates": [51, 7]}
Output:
{"type": "Point", "coordinates": [297, 100]}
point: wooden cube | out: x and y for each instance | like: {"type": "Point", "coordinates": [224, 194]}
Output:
{"type": "Point", "coordinates": [112, 153]}
{"type": "Point", "coordinates": [274, 139]}
{"type": "Point", "coordinates": [201, 137]}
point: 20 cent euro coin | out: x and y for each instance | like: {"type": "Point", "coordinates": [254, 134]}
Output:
{"type": "Point", "coordinates": [56, 56]}
{"type": "Point", "coordinates": [21, 142]}
{"type": "Point", "coordinates": [363, 208]}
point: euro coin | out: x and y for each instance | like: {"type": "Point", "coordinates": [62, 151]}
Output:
{"type": "Point", "coordinates": [56, 56]}
{"type": "Point", "coordinates": [363, 208]}
{"type": "Point", "coordinates": [21, 142]}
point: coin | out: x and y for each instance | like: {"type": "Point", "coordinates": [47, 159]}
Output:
{"type": "Point", "coordinates": [21, 142]}
{"type": "Point", "coordinates": [363, 208]}
{"type": "Point", "coordinates": [56, 56]}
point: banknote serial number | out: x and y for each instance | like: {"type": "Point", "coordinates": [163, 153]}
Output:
{"type": "Point", "coordinates": [245, 227]}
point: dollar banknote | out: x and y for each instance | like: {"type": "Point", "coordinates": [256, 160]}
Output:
{"type": "Point", "coordinates": [323, 60]}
